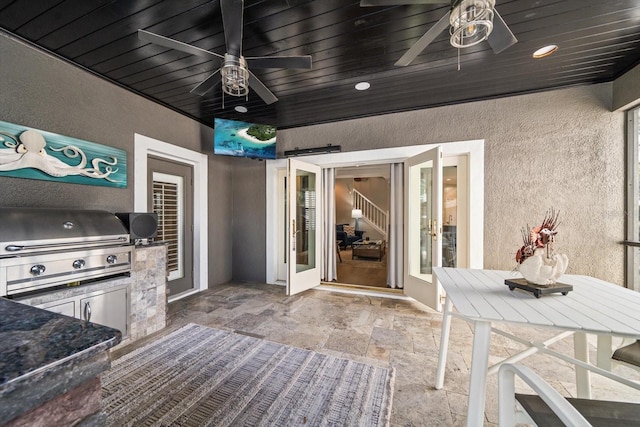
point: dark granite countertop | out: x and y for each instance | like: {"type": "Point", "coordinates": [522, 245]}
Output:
{"type": "Point", "coordinates": [35, 341]}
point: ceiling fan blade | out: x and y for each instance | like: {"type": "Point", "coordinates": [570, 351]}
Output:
{"type": "Point", "coordinates": [232, 20]}
{"type": "Point", "coordinates": [424, 41]}
{"type": "Point", "coordinates": [207, 84]}
{"type": "Point", "coordinates": [279, 62]}
{"type": "Point", "coordinates": [267, 96]}
{"type": "Point", "coordinates": [175, 44]}
{"type": "Point", "coordinates": [501, 37]}
{"type": "Point", "coordinates": [366, 3]}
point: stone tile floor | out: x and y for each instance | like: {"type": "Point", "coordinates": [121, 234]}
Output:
{"type": "Point", "coordinates": [388, 332]}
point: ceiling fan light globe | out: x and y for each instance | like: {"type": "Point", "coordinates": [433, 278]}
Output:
{"type": "Point", "coordinates": [235, 76]}
{"type": "Point", "coordinates": [471, 22]}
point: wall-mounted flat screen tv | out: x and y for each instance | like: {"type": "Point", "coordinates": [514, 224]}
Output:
{"type": "Point", "coordinates": [242, 139]}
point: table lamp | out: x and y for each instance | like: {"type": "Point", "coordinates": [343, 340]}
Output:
{"type": "Point", "coordinates": [356, 213]}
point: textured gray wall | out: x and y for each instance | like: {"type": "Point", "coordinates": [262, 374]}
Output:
{"type": "Point", "coordinates": [220, 199]}
{"type": "Point", "coordinates": [249, 219]}
{"type": "Point", "coordinates": [561, 149]}
{"type": "Point", "coordinates": [43, 92]}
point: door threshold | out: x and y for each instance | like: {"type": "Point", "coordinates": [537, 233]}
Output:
{"type": "Point", "coordinates": [362, 290]}
{"type": "Point", "coordinates": [182, 295]}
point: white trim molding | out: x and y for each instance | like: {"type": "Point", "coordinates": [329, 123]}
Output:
{"type": "Point", "coordinates": [145, 147]}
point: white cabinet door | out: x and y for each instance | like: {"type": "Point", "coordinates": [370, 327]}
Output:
{"type": "Point", "coordinates": [68, 308]}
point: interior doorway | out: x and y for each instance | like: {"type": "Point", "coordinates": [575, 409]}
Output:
{"type": "Point", "coordinates": [362, 208]}
{"type": "Point", "coordinates": [362, 225]}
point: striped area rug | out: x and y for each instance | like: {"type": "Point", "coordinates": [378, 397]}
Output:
{"type": "Point", "coordinates": [200, 376]}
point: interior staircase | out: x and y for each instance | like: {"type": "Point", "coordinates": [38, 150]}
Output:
{"type": "Point", "coordinates": [372, 214]}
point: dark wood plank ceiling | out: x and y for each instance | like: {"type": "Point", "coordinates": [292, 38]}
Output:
{"type": "Point", "coordinates": [598, 40]}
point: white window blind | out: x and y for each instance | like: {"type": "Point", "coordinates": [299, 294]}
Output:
{"type": "Point", "coordinates": [168, 204]}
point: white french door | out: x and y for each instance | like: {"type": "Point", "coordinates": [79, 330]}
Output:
{"type": "Point", "coordinates": [423, 226]}
{"type": "Point", "coordinates": [304, 189]}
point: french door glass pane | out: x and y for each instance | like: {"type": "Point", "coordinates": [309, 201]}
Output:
{"type": "Point", "coordinates": [426, 219]}
{"type": "Point", "coordinates": [450, 216]}
{"type": "Point", "coordinates": [306, 231]}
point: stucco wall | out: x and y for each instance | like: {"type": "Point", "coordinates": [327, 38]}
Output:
{"type": "Point", "coordinates": [43, 92]}
{"type": "Point", "coordinates": [220, 216]}
{"type": "Point", "coordinates": [249, 232]}
{"type": "Point", "coordinates": [563, 149]}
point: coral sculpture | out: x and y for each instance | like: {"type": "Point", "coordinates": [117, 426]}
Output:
{"type": "Point", "coordinates": [543, 270]}
{"type": "Point", "coordinates": [537, 261]}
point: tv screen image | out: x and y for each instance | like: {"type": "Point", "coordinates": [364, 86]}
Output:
{"type": "Point", "coordinates": [242, 139]}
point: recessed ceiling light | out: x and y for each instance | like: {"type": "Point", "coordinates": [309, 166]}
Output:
{"type": "Point", "coordinates": [363, 86]}
{"type": "Point", "coordinates": [241, 109]}
{"type": "Point", "coordinates": [545, 51]}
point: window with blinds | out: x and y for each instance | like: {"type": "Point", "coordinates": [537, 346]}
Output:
{"type": "Point", "coordinates": [168, 204]}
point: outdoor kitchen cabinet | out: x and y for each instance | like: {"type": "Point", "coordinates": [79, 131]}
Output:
{"type": "Point", "coordinates": [109, 307]}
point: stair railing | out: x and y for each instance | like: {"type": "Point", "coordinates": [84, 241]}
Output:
{"type": "Point", "coordinates": [371, 213]}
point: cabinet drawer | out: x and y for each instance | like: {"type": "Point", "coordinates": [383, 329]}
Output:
{"type": "Point", "coordinates": [68, 308]}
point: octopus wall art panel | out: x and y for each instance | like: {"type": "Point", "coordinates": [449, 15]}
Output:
{"type": "Point", "coordinates": [36, 154]}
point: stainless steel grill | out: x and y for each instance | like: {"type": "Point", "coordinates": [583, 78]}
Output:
{"type": "Point", "coordinates": [45, 248]}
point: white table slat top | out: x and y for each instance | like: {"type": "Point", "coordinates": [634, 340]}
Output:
{"type": "Point", "coordinates": [594, 306]}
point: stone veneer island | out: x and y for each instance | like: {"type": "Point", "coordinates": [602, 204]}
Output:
{"type": "Point", "coordinates": [50, 366]}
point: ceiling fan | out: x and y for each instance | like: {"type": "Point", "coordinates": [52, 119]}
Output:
{"type": "Point", "coordinates": [234, 71]}
{"type": "Point", "coordinates": [470, 22]}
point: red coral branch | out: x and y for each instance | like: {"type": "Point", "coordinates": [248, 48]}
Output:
{"type": "Point", "coordinates": [538, 237]}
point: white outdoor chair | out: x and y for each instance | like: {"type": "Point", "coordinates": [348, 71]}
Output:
{"type": "Point", "coordinates": [548, 408]}
{"type": "Point", "coordinates": [629, 355]}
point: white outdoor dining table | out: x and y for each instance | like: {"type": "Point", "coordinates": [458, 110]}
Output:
{"type": "Point", "coordinates": [481, 297]}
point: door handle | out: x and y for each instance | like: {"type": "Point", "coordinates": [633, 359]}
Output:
{"type": "Point", "coordinates": [434, 230]}
{"type": "Point", "coordinates": [87, 311]}
{"type": "Point", "coordinates": [293, 235]}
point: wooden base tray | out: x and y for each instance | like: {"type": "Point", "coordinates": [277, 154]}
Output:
{"type": "Point", "coordinates": [538, 290]}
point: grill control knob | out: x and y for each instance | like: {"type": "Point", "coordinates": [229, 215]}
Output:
{"type": "Point", "coordinates": [78, 264]}
{"type": "Point", "coordinates": [37, 269]}
{"type": "Point", "coordinates": [112, 259]}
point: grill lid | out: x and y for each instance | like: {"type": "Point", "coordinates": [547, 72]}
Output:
{"type": "Point", "coordinates": [27, 230]}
